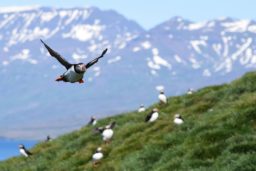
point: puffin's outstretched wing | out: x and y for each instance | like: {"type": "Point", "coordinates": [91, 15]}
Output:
{"type": "Point", "coordinates": [91, 63]}
{"type": "Point", "coordinates": [54, 54]}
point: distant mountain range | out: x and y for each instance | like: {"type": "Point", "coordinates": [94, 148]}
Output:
{"type": "Point", "coordinates": [177, 54]}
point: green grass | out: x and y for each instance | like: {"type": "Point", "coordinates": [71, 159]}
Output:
{"type": "Point", "coordinates": [218, 134]}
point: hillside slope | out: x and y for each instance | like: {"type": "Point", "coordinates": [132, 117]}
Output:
{"type": "Point", "coordinates": [171, 54]}
{"type": "Point", "coordinates": [218, 134]}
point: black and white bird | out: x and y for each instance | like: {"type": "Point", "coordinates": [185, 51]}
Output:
{"type": "Point", "coordinates": [107, 132]}
{"type": "Point", "coordinates": [178, 120]}
{"type": "Point", "coordinates": [141, 109]}
{"type": "Point", "coordinates": [190, 91]}
{"type": "Point", "coordinates": [48, 138]}
{"type": "Point", "coordinates": [93, 121]}
{"type": "Point", "coordinates": [152, 116]}
{"type": "Point", "coordinates": [97, 156]}
{"type": "Point", "coordinates": [75, 72]}
{"type": "Point", "coordinates": [24, 151]}
{"type": "Point", "coordinates": [162, 98]}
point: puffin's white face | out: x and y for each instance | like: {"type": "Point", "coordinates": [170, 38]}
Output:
{"type": "Point", "coordinates": [81, 67]}
{"type": "Point", "coordinates": [99, 149]}
{"type": "Point", "coordinates": [177, 116]}
{"type": "Point", "coordinates": [21, 146]}
{"type": "Point", "coordinates": [155, 110]}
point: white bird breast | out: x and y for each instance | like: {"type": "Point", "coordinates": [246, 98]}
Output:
{"type": "Point", "coordinates": [162, 98]}
{"type": "Point", "coordinates": [142, 109]}
{"type": "Point", "coordinates": [178, 121]}
{"type": "Point", "coordinates": [72, 76]}
{"type": "Point", "coordinates": [107, 134]}
{"type": "Point", "coordinates": [97, 156]}
{"type": "Point", "coordinates": [153, 117]}
{"type": "Point", "coordinates": [22, 151]}
{"type": "Point", "coordinates": [94, 122]}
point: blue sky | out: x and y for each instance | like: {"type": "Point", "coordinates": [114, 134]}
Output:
{"type": "Point", "coordinates": [149, 13]}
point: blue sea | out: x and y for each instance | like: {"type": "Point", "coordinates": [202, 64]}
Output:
{"type": "Point", "coordinates": [10, 148]}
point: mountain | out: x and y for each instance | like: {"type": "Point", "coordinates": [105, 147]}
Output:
{"type": "Point", "coordinates": [177, 54]}
{"type": "Point", "coordinates": [218, 134]}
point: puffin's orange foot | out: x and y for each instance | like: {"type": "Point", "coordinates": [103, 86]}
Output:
{"type": "Point", "coordinates": [81, 81]}
{"type": "Point", "coordinates": [60, 78]}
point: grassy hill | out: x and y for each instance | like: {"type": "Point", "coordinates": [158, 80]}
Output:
{"type": "Point", "coordinates": [218, 134]}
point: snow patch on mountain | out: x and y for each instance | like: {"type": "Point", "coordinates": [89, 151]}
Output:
{"type": "Point", "coordinates": [146, 45]}
{"type": "Point", "coordinates": [12, 9]}
{"type": "Point", "coordinates": [84, 32]}
{"type": "Point", "coordinates": [196, 45]}
{"type": "Point", "coordinates": [157, 61]}
{"type": "Point", "coordinates": [196, 26]}
{"type": "Point", "coordinates": [24, 55]}
{"type": "Point", "coordinates": [236, 26]}
{"type": "Point", "coordinates": [207, 73]}
{"type": "Point", "coordinates": [113, 60]}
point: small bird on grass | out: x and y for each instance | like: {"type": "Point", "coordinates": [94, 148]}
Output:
{"type": "Point", "coordinates": [48, 138]}
{"type": "Point", "coordinates": [107, 132]}
{"type": "Point", "coordinates": [93, 121]}
{"type": "Point", "coordinates": [141, 109]}
{"type": "Point", "coordinates": [162, 98]}
{"type": "Point", "coordinates": [178, 120]}
{"type": "Point", "coordinates": [24, 151]}
{"type": "Point", "coordinates": [152, 116]}
{"type": "Point", "coordinates": [190, 91]}
{"type": "Point", "coordinates": [97, 156]}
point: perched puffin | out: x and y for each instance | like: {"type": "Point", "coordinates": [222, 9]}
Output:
{"type": "Point", "coordinates": [75, 72]}
{"type": "Point", "coordinates": [162, 97]}
{"type": "Point", "coordinates": [24, 151]}
{"type": "Point", "coordinates": [107, 132]}
{"type": "Point", "coordinates": [152, 116]}
{"type": "Point", "coordinates": [97, 156]}
{"type": "Point", "coordinates": [190, 91]}
{"type": "Point", "coordinates": [141, 109]}
{"type": "Point", "coordinates": [93, 121]}
{"type": "Point", "coordinates": [48, 138]}
{"type": "Point", "coordinates": [178, 120]}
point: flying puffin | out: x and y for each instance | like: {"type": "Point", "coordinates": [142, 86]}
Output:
{"type": "Point", "coordinates": [24, 151]}
{"type": "Point", "coordinates": [93, 121]}
{"type": "Point", "coordinates": [48, 138]}
{"type": "Point", "coordinates": [178, 120]}
{"type": "Point", "coordinates": [152, 116]}
{"type": "Point", "coordinates": [107, 132]}
{"type": "Point", "coordinates": [162, 97]}
{"type": "Point", "coordinates": [97, 156]}
{"type": "Point", "coordinates": [75, 72]}
{"type": "Point", "coordinates": [141, 109]}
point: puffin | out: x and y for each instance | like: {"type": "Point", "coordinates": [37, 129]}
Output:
{"type": "Point", "coordinates": [190, 91]}
{"type": "Point", "coordinates": [141, 109]}
{"type": "Point", "coordinates": [48, 138]}
{"type": "Point", "coordinates": [75, 72]}
{"type": "Point", "coordinates": [93, 121]}
{"type": "Point", "coordinates": [162, 98]}
{"type": "Point", "coordinates": [152, 116]}
{"type": "Point", "coordinates": [24, 151]}
{"type": "Point", "coordinates": [97, 156]}
{"type": "Point", "coordinates": [178, 120]}
{"type": "Point", "coordinates": [107, 132]}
